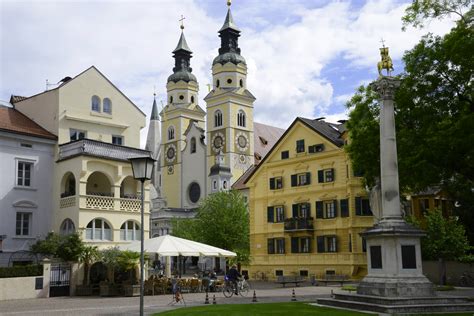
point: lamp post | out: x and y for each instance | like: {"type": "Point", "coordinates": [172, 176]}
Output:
{"type": "Point", "coordinates": [142, 168]}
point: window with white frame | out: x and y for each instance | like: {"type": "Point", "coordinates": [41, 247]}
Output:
{"type": "Point", "coordinates": [217, 118]}
{"type": "Point", "coordinates": [95, 103]}
{"type": "Point", "coordinates": [107, 106]}
{"type": "Point", "coordinates": [279, 213]}
{"type": "Point", "coordinates": [170, 133]}
{"type": "Point", "coordinates": [75, 134]}
{"type": "Point", "coordinates": [24, 173]}
{"type": "Point", "coordinates": [193, 145]}
{"type": "Point", "coordinates": [117, 140]}
{"type": "Point", "coordinates": [98, 229]}
{"type": "Point", "coordinates": [130, 230]}
{"type": "Point", "coordinates": [241, 118]}
{"type": "Point", "coordinates": [23, 224]}
{"type": "Point", "coordinates": [67, 227]}
{"type": "Point", "coordinates": [329, 209]}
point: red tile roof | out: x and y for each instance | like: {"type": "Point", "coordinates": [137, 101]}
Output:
{"type": "Point", "coordinates": [13, 121]}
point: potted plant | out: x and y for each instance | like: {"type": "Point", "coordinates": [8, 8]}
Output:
{"type": "Point", "coordinates": [110, 259]}
{"type": "Point", "coordinates": [128, 262]}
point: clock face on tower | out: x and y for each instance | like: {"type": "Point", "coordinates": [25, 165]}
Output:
{"type": "Point", "coordinates": [242, 142]}
{"type": "Point", "coordinates": [170, 153]}
{"type": "Point", "coordinates": [218, 142]}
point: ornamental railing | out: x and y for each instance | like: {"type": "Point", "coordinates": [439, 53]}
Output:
{"type": "Point", "coordinates": [298, 223]}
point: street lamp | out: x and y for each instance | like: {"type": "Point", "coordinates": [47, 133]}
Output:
{"type": "Point", "coordinates": [142, 168]}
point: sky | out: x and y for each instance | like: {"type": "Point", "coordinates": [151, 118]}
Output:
{"type": "Point", "coordinates": [305, 57]}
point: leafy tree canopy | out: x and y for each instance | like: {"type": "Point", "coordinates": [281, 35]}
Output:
{"type": "Point", "coordinates": [67, 248]}
{"type": "Point", "coordinates": [445, 237]}
{"type": "Point", "coordinates": [222, 221]}
{"type": "Point", "coordinates": [421, 10]}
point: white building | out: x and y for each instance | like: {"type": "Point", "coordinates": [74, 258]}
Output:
{"type": "Point", "coordinates": [26, 169]}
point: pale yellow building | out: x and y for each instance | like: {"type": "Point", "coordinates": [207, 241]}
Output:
{"type": "Point", "coordinates": [98, 129]}
{"type": "Point", "coordinates": [306, 206]}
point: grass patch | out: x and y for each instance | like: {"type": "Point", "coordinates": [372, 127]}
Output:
{"type": "Point", "coordinates": [445, 288]}
{"type": "Point", "coordinates": [349, 288]}
{"type": "Point", "coordinates": [286, 309]}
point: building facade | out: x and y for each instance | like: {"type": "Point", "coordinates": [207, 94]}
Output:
{"type": "Point", "coordinates": [306, 207]}
{"type": "Point", "coordinates": [97, 127]}
{"type": "Point", "coordinates": [26, 156]}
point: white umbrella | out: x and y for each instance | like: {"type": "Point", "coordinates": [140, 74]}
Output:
{"type": "Point", "coordinates": [174, 246]}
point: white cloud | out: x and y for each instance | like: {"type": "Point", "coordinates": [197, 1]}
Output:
{"type": "Point", "coordinates": [287, 46]}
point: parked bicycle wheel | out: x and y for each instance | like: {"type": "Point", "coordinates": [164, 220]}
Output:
{"type": "Point", "coordinates": [228, 290]}
{"type": "Point", "coordinates": [244, 289]}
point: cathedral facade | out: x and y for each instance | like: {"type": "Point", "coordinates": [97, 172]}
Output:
{"type": "Point", "coordinates": [203, 151]}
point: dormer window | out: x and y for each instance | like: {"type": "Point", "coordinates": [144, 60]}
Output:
{"type": "Point", "coordinates": [241, 118]}
{"type": "Point", "coordinates": [95, 104]}
{"type": "Point", "coordinates": [107, 106]}
{"type": "Point", "coordinates": [170, 133]}
{"type": "Point", "coordinates": [217, 118]}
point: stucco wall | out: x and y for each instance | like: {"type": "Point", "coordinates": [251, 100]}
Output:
{"type": "Point", "coordinates": [35, 199]}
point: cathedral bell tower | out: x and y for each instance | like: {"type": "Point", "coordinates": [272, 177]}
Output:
{"type": "Point", "coordinates": [181, 110]}
{"type": "Point", "coordinates": [230, 105]}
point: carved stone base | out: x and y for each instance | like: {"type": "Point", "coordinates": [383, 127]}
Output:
{"type": "Point", "coordinates": [396, 286]}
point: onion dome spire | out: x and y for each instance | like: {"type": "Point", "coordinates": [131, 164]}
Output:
{"type": "Point", "coordinates": [182, 56]}
{"type": "Point", "coordinates": [229, 34]}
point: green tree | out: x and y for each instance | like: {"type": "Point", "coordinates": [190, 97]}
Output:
{"type": "Point", "coordinates": [110, 257]}
{"type": "Point", "coordinates": [445, 239]}
{"type": "Point", "coordinates": [89, 255]}
{"type": "Point", "coordinates": [66, 248]}
{"type": "Point", "coordinates": [421, 10]}
{"type": "Point", "coordinates": [434, 119]}
{"type": "Point", "coordinates": [128, 261]}
{"type": "Point", "coordinates": [222, 221]}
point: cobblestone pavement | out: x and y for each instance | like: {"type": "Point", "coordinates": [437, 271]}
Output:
{"type": "Point", "coordinates": [266, 292]}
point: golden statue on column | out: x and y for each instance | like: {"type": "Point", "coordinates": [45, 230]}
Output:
{"type": "Point", "coordinates": [386, 62]}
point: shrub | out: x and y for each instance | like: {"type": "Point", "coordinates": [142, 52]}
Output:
{"type": "Point", "coordinates": [21, 271]}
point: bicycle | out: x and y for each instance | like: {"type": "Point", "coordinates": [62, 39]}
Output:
{"type": "Point", "coordinates": [243, 288]}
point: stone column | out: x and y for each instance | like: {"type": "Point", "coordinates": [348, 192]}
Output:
{"type": "Point", "coordinates": [46, 277]}
{"type": "Point", "coordinates": [386, 87]}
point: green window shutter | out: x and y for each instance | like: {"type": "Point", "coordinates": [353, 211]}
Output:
{"type": "Point", "coordinates": [358, 203]}
{"type": "Point", "coordinates": [308, 177]}
{"type": "Point", "coordinates": [320, 244]}
{"type": "Point", "coordinates": [272, 183]}
{"type": "Point", "coordinates": [337, 248]}
{"type": "Point", "coordinates": [294, 180]}
{"type": "Point", "coordinates": [294, 245]}
{"type": "Point", "coordinates": [333, 174]}
{"type": "Point", "coordinates": [320, 176]}
{"type": "Point", "coordinates": [344, 207]}
{"type": "Point", "coordinates": [295, 210]}
{"type": "Point", "coordinates": [308, 206]}
{"type": "Point", "coordinates": [270, 246]}
{"type": "Point", "coordinates": [334, 202]}
{"type": "Point", "coordinates": [319, 209]}
{"type": "Point", "coordinates": [270, 217]}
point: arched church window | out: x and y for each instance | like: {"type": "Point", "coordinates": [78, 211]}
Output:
{"type": "Point", "coordinates": [171, 99]}
{"type": "Point", "coordinates": [241, 83]}
{"type": "Point", "coordinates": [192, 99]}
{"type": "Point", "coordinates": [217, 118]}
{"type": "Point", "coordinates": [193, 145]}
{"type": "Point", "coordinates": [194, 192]}
{"type": "Point", "coordinates": [170, 133]}
{"type": "Point", "coordinates": [241, 118]}
{"type": "Point", "coordinates": [218, 83]}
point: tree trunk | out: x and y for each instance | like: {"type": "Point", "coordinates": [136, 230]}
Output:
{"type": "Point", "coordinates": [442, 271]}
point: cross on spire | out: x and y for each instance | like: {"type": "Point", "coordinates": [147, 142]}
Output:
{"type": "Point", "coordinates": [182, 21]}
{"type": "Point", "coordinates": [383, 42]}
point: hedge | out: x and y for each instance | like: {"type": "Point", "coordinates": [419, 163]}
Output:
{"type": "Point", "coordinates": [21, 271]}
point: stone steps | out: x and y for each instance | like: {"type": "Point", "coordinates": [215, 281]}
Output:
{"type": "Point", "coordinates": [400, 300]}
{"type": "Point", "coordinates": [412, 307]}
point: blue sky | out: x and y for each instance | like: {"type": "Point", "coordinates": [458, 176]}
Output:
{"type": "Point", "coordinates": [305, 58]}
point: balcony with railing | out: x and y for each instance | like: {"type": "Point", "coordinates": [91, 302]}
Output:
{"type": "Point", "coordinates": [294, 224]}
